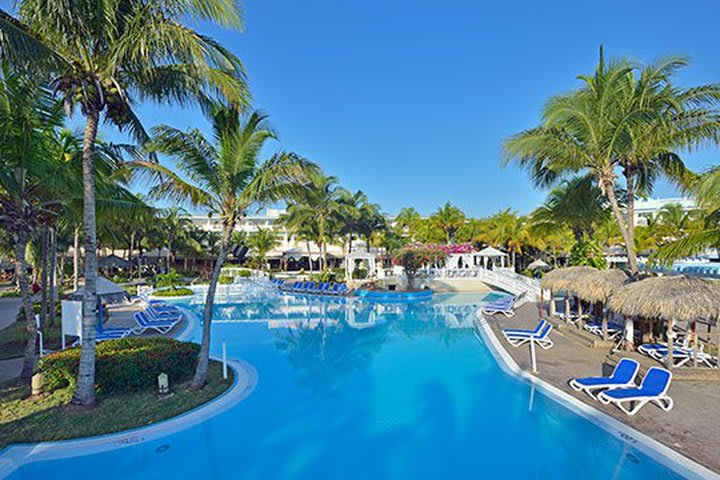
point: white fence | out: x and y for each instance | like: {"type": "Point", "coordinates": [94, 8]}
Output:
{"type": "Point", "coordinates": [504, 279]}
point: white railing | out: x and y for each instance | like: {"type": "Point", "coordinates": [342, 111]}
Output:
{"type": "Point", "coordinates": [504, 279]}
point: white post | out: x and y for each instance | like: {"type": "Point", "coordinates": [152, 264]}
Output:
{"type": "Point", "coordinates": [532, 355]}
{"type": "Point", "coordinates": [224, 359]}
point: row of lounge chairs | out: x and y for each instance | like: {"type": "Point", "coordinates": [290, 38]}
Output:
{"type": "Point", "coordinates": [312, 288]}
{"type": "Point", "coordinates": [157, 315]}
{"type": "Point", "coordinates": [621, 389]}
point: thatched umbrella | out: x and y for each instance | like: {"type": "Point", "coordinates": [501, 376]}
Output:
{"type": "Point", "coordinates": [671, 298]}
{"type": "Point", "coordinates": [599, 286]}
{"type": "Point", "coordinates": [565, 279]}
{"type": "Point", "coordinates": [538, 265]}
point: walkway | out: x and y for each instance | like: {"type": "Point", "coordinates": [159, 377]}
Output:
{"type": "Point", "coordinates": [9, 308]}
{"type": "Point", "coordinates": [692, 427]}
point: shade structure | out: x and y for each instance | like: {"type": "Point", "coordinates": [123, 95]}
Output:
{"type": "Point", "coordinates": [670, 297]}
{"type": "Point", "coordinates": [599, 286]}
{"type": "Point", "coordinates": [106, 291]}
{"type": "Point", "coordinates": [538, 265]}
{"type": "Point", "coordinates": [565, 279]}
{"type": "Point", "coordinates": [113, 261]}
{"type": "Point", "coordinates": [491, 252]}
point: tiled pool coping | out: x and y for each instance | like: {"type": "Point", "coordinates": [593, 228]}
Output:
{"type": "Point", "coordinates": [638, 440]}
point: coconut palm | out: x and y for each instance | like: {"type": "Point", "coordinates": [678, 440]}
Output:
{"type": "Point", "coordinates": [226, 176]}
{"type": "Point", "coordinates": [316, 215]}
{"type": "Point", "coordinates": [261, 242]}
{"type": "Point", "coordinates": [101, 56]}
{"type": "Point", "coordinates": [351, 205]}
{"type": "Point", "coordinates": [371, 223]}
{"type": "Point", "coordinates": [408, 221]}
{"type": "Point", "coordinates": [448, 219]}
{"type": "Point", "coordinates": [509, 230]}
{"type": "Point", "coordinates": [620, 121]}
{"type": "Point", "coordinates": [707, 191]}
{"type": "Point", "coordinates": [28, 118]}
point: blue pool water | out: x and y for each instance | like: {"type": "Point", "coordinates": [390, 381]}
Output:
{"type": "Point", "coordinates": [350, 390]}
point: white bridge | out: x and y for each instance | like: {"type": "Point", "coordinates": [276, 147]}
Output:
{"type": "Point", "coordinates": [502, 278]}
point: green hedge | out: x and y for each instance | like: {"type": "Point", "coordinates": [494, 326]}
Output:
{"type": "Point", "coordinates": [173, 292]}
{"type": "Point", "coordinates": [225, 279]}
{"type": "Point", "coordinates": [124, 365]}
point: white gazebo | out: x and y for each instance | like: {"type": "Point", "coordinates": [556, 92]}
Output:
{"type": "Point", "coordinates": [355, 259]}
{"type": "Point", "coordinates": [496, 258]}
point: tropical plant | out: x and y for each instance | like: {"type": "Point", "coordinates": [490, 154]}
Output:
{"type": "Point", "coordinates": [260, 243]}
{"type": "Point", "coordinates": [449, 220]}
{"type": "Point", "coordinates": [509, 230]}
{"type": "Point", "coordinates": [226, 176]}
{"type": "Point", "coordinates": [587, 252]}
{"type": "Point", "coordinates": [623, 118]}
{"type": "Point", "coordinates": [414, 257]}
{"type": "Point", "coordinates": [707, 191]}
{"type": "Point", "coordinates": [98, 56]}
{"type": "Point", "coordinates": [316, 214]}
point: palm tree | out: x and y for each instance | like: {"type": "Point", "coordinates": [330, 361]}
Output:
{"type": "Point", "coordinates": [371, 222]}
{"type": "Point", "coordinates": [707, 191]}
{"type": "Point", "coordinates": [261, 243]}
{"type": "Point", "coordinates": [449, 220]}
{"type": "Point", "coordinates": [28, 170]}
{"type": "Point", "coordinates": [316, 214]}
{"type": "Point", "coordinates": [351, 205]}
{"type": "Point", "coordinates": [408, 220]}
{"type": "Point", "coordinates": [620, 121]}
{"type": "Point", "coordinates": [99, 55]}
{"type": "Point", "coordinates": [577, 204]}
{"type": "Point", "coordinates": [508, 229]}
{"type": "Point", "coordinates": [226, 176]}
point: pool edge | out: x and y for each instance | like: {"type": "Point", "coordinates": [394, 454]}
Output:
{"type": "Point", "coordinates": [15, 456]}
{"type": "Point", "coordinates": [658, 451]}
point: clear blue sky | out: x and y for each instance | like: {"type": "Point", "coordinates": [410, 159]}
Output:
{"type": "Point", "coordinates": [410, 100]}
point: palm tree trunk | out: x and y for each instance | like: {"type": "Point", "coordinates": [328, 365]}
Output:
{"type": "Point", "coordinates": [627, 235]}
{"type": "Point", "coordinates": [45, 251]}
{"type": "Point", "coordinates": [76, 259]}
{"type": "Point", "coordinates": [30, 357]}
{"type": "Point", "coordinates": [53, 275]}
{"type": "Point", "coordinates": [201, 371]}
{"type": "Point", "coordinates": [85, 386]}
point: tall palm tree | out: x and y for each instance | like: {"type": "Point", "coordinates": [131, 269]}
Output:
{"type": "Point", "coordinates": [29, 117]}
{"type": "Point", "coordinates": [408, 220]}
{"type": "Point", "coordinates": [100, 56]}
{"type": "Point", "coordinates": [351, 205]}
{"type": "Point", "coordinates": [510, 230]}
{"type": "Point", "coordinates": [226, 176]}
{"type": "Point", "coordinates": [317, 214]}
{"type": "Point", "coordinates": [449, 219]}
{"type": "Point", "coordinates": [371, 223]}
{"type": "Point", "coordinates": [620, 121]}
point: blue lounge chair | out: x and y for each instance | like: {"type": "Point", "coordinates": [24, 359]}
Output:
{"type": "Point", "coordinates": [521, 331]}
{"type": "Point", "coordinates": [654, 389]}
{"type": "Point", "coordinates": [681, 355]}
{"type": "Point", "coordinates": [614, 330]}
{"type": "Point", "coordinates": [145, 322]}
{"type": "Point", "coordinates": [505, 305]}
{"type": "Point", "coordinates": [623, 376]}
{"type": "Point", "coordinates": [542, 338]}
{"type": "Point", "coordinates": [111, 333]}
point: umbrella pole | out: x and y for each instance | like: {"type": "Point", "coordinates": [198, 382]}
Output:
{"type": "Point", "coordinates": [604, 322]}
{"type": "Point", "coordinates": [695, 343]}
{"type": "Point", "coordinates": [670, 361]}
{"type": "Point", "coordinates": [542, 304]}
{"type": "Point", "coordinates": [567, 306]}
{"type": "Point", "coordinates": [552, 304]}
{"type": "Point", "coordinates": [579, 311]}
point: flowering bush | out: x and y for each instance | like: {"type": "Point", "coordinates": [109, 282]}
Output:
{"type": "Point", "coordinates": [459, 248]}
{"type": "Point", "coordinates": [127, 364]}
{"type": "Point", "coordinates": [413, 257]}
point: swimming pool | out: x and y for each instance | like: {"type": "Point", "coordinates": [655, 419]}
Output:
{"type": "Point", "coordinates": [354, 390]}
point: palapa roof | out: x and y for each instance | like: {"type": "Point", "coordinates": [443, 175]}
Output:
{"type": "Point", "coordinates": [565, 279]}
{"type": "Point", "coordinates": [538, 264]}
{"type": "Point", "coordinates": [600, 285]}
{"type": "Point", "coordinates": [670, 297]}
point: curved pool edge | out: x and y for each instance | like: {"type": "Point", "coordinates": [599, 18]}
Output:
{"type": "Point", "coordinates": [658, 451]}
{"type": "Point", "coordinates": [245, 379]}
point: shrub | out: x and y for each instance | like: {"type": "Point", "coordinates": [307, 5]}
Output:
{"type": "Point", "coordinates": [128, 364]}
{"type": "Point", "coordinates": [173, 292]}
{"type": "Point", "coordinates": [359, 274]}
{"type": "Point", "coordinates": [169, 279]}
{"type": "Point", "coordinates": [325, 276]}
{"type": "Point", "coordinates": [131, 289]}
{"type": "Point", "coordinates": [10, 293]}
{"type": "Point", "coordinates": [225, 280]}
{"type": "Point", "coordinates": [588, 252]}
{"type": "Point", "coordinates": [245, 274]}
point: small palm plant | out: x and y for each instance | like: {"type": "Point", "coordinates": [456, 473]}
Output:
{"type": "Point", "coordinates": [226, 176]}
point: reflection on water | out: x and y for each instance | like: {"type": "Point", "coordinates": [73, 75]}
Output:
{"type": "Point", "coordinates": [326, 339]}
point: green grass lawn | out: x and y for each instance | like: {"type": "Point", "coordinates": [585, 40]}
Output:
{"type": "Point", "coordinates": [14, 337]}
{"type": "Point", "coordinates": [25, 420]}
